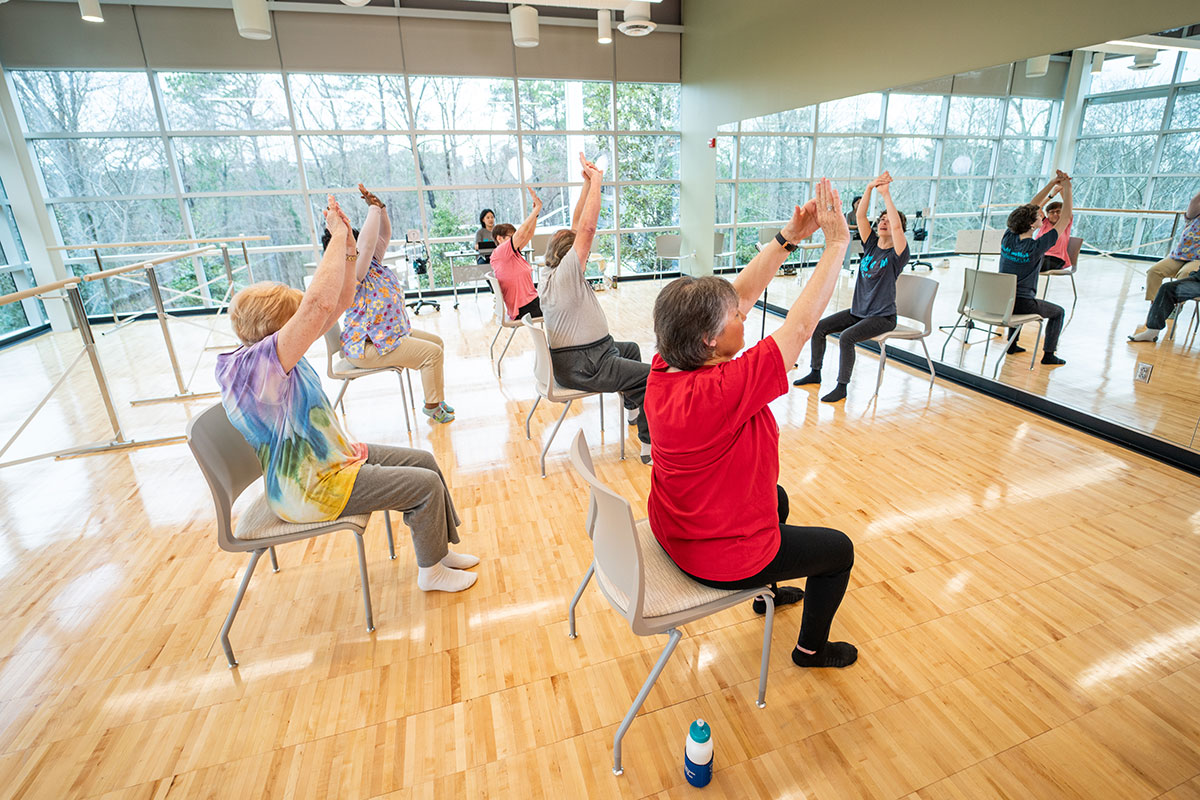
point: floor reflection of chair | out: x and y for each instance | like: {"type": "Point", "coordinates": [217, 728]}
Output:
{"type": "Point", "coordinates": [503, 321]}
{"type": "Point", "coordinates": [644, 586]}
{"type": "Point", "coordinates": [340, 369]}
{"type": "Point", "coordinates": [552, 390]}
{"type": "Point", "coordinates": [230, 465]}
{"type": "Point", "coordinates": [914, 300]}
{"type": "Point", "coordinates": [987, 299]}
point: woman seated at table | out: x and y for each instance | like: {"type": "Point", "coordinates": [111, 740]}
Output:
{"type": "Point", "coordinates": [377, 331]}
{"type": "Point", "coordinates": [513, 272]}
{"type": "Point", "coordinates": [715, 505]}
{"type": "Point", "coordinates": [485, 238]}
{"type": "Point", "coordinates": [312, 471]}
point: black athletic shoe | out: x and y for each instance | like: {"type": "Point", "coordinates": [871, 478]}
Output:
{"type": "Point", "coordinates": [784, 595]}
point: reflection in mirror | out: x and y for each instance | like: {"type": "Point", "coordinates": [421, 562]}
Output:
{"type": "Point", "coordinates": [964, 153]}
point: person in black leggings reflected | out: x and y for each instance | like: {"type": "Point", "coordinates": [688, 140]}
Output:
{"type": "Point", "coordinates": [873, 309]}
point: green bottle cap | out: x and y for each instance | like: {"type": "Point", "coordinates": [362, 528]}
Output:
{"type": "Point", "coordinates": [700, 731]}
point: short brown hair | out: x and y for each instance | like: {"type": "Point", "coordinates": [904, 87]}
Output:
{"type": "Point", "coordinates": [903, 219]}
{"type": "Point", "coordinates": [1053, 206]}
{"type": "Point", "coordinates": [262, 309]}
{"type": "Point", "coordinates": [1022, 218]}
{"type": "Point", "coordinates": [503, 229]}
{"type": "Point", "coordinates": [689, 312]}
{"type": "Point", "coordinates": [560, 244]}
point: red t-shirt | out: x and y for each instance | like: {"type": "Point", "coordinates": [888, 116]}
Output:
{"type": "Point", "coordinates": [713, 505]}
{"type": "Point", "coordinates": [515, 277]}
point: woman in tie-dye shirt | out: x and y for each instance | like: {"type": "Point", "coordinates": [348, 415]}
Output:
{"type": "Point", "coordinates": [311, 469]}
{"type": "Point", "coordinates": [376, 331]}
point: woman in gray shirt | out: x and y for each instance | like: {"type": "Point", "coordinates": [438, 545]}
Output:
{"type": "Point", "coordinates": [584, 355]}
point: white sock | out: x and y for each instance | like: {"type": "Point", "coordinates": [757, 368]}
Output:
{"type": "Point", "coordinates": [646, 453]}
{"type": "Point", "coordinates": [440, 578]}
{"type": "Point", "coordinates": [631, 415]}
{"type": "Point", "coordinates": [1148, 335]}
{"type": "Point", "coordinates": [459, 560]}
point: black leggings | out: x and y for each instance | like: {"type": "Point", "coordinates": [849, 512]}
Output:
{"type": "Point", "coordinates": [533, 308]}
{"type": "Point", "coordinates": [854, 330]}
{"type": "Point", "coordinates": [1052, 313]}
{"type": "Point", "coordinates": [823, 555]}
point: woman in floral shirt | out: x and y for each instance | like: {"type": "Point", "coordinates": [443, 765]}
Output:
{"type": "Point", "coordinates": [376, 331]}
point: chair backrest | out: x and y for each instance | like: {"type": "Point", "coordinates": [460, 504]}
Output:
{"type": "Point", "coordinates": [615, 548]}
{"type": "Point", "coordinates": [500, 310]}
{"type": "Point", "coordinates": [990, 292]}
{"type": "Point", "coordinates": [1073, 246]}
{"type": "Point", "coordinates": [543, 369]}
{"type": "Point", "coordinates": [767, 234]}
{"type": "Point", "coordinates": [539, 241]}
{"type": "Point", "coordinates": [974, 240]}
{"type": "Point", "coordinates": [227, 461]}
{"type": "Point", "coordinates": [412, 235]}
{"type": "Point", "coordinates": [333, 346]}
{"type": "Point", "coordinates": [914, 298]}
{"type": "Point", "coordinates": [667, 245]}
{"type": "Point", "coordinates": [718, 243]}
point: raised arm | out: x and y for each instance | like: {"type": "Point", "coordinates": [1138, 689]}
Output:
{"type": "Point", "coordinates": [860, 213]}
{"type": "Point", "coordinates": [1039, 199]}
{"type": "Point", "coordinates": [1064, 218]}
{"type": "Point", "coordinates": [754, 277]}
{"type": "Point", "coordinates": [368, 237]}
{"type": "Point", "coordinates": [895, 226]}
{"type": "Point", "coordinates": [578, 212]}
{"type": "Point", "coordinates": [798, 326]}
{"type": "Point", "coordinates": [1193, 209]}
{"type": "Point", "coordinates": [525, 232]}
{"type": "Point", "coordinates": [585, 231]}
{"type": "Point", "coordinates": [325, 299]}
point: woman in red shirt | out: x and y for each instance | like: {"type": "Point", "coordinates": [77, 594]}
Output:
{"type": "Point", "coordinates": [715, 503]}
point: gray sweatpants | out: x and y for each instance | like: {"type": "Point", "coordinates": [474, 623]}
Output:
{"type": "Point", "coordinates": [606, 366]}
{"type": "Point", "coordinates": [408, 480]}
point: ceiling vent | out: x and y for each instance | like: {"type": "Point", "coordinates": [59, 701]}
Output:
{"type": "Point", "coordinates": [637, 20]}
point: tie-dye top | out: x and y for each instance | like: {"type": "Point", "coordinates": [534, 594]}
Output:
{"type": "Point", "coordinates": [377, 314]}
{"type": "Point", "coordinates": [1188, 248]}
{"type": "Point", "coordinates": [308, 463]}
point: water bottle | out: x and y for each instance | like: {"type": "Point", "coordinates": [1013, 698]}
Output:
{"type": "Point", "coordinates": [698, 754]}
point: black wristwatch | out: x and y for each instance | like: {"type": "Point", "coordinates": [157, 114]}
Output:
{"type": "Point", "coordinates": [786, 244]}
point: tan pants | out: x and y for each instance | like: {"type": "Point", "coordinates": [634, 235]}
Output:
{"type": "Point", "coordinates": [1168, 268]}
{"type": "Point", "coordinates": [419, 350]}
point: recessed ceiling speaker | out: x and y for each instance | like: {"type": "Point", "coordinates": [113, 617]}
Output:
{"type": "Point", "coordinates": [637, 20]}
{"type": "Point", "coordinates": [1037, 67]}
{"type": "Point", "coordinates": [604, 26]}
{"type": "Point", "coordinates": [252, 18]}
{"type": "Point", "coordinates": [524, 26]}
{"type": "Point", "coordinates": [90, 11]}
{"type": "Point", "coordinates": [1145, 60]}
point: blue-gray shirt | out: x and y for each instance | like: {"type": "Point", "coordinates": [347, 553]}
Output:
{"type": "Point", "coordinates": [875, 289]}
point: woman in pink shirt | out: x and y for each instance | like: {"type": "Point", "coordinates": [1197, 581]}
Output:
{"type": "Point", "coordinates": [1057, 256]}
{"type": "Point", "coordinates": [513, 272]}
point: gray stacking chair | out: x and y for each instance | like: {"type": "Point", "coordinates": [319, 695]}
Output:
{"type": "Point", "coordinates": [1074, 245]}
{"type": "Point", "coordinates": [644, 586]}
{"type": "Point", "coordinates": [229, 465]}
{"type": "Point", "coordinates": [914, 300]}
{"type": "Point", "coordinates": [549, 388]}
{"type": "Point", "coordinates": [340, 369]}
{"type": "Point", "coordinates": [987, 299]}
{"type": "Point", "coordinates": [666, 248]}
{"type": "Point", "coordinates": [504, 322]}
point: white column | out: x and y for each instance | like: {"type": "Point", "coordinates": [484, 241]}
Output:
{"type": "Point", "coordinates": [1078, 81]}
{"type": "Point", "coordinates": [33, 218]}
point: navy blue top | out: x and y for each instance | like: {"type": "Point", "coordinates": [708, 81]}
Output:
{"type": "Point", "coordinates": [1023, 258]}
{"type": "Point", "coordinates": [875, 289]}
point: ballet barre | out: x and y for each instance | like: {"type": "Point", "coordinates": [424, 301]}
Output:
{"type": "Point", "coordinates": [70, 286]}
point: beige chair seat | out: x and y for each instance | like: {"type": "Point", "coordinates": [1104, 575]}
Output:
{"type": "Point", "coordinates": [258, 521]}
{"type": "Point", "coordinates": [1013, 321]}
{"type": "Point", "coordinates": [667, 588]}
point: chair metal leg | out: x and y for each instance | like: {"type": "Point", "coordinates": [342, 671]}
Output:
{"type": "Point", "coordinates": [403, 399]}
{"type": "Point", "coordinates": [341, 394]}
{"type": "Point", "coordinates": [1012, 337]}
{"type": "Point", "coordinates": [766, 653]}
{"type": "Point", "coordinates": [1036, 343]}
{"type": "Point", "coordinates": [620, 416]}
{"type": "Point", "coordinates": [587, 577]}
{"type": "Point", "coordinates": [274, 561]}
{"type": "Point", "coordinates": [949, 336]}
{"type": "Point", "coordinates": [673, 640]}
{"type": "Point", "coordinates": [412, 398]}
{"type": "Point", "coordinates": [988, 343]}
{"type": "Point", "coordinates": [882, 362]}
{"type": "Point", "coordinates": [536, 400]}
{"type": "Point", "coordinates": [928, 360]}
{"type": "Point", "coordinates": [553, 433]}
{"type": "Point", "coordinates": [511, 334]}
{"type": "Point", "coordinates": [237, 601]}
{"type": "Point", "coordinates": [387, 525]}
{"type": "Point", "coordinates": [492, 346]}
{"type": "Point", "coordinates": [600, 397]}
{"type": "Point", "coordinates": [366, 587]}
{"type": "Point", "coordinates": [1074, 292]}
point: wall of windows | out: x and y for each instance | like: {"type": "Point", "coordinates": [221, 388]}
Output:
{"type": "Point", "coordinates": [144, 155]}
{"type": "Point", "coordinates": [1138, 148]}
{"type": "Point", "coordinates": [15, 275]}
{"type": "Point", "coordinates": [950, 155]}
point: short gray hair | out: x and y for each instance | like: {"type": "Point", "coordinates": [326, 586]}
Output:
{"type": "Point", "coordinates": [687, 313]}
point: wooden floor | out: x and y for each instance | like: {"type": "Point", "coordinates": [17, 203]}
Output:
{"type": "Point", "coordinates": [1099, 375]}
{"type": "Point", "coordinates": [1025, 601]}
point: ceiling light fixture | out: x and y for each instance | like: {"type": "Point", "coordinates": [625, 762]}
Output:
{"type": "Point", "coordinates": [524, 26]}
{"type": "Point", "coordinates": [355, 3]}
{"type": "Point", "coordinates": [1037, 67]}
{"type": "Point", "coordinates": [637, 20]}
{"type": "Point", "coordinates": [252, 18]}
{"type": "Point", "coordinates": [1145, 61]}
{"type": "Point", "coordinates": [604, 26]}
{"type": "Point", "coordinates": [90, 11]}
